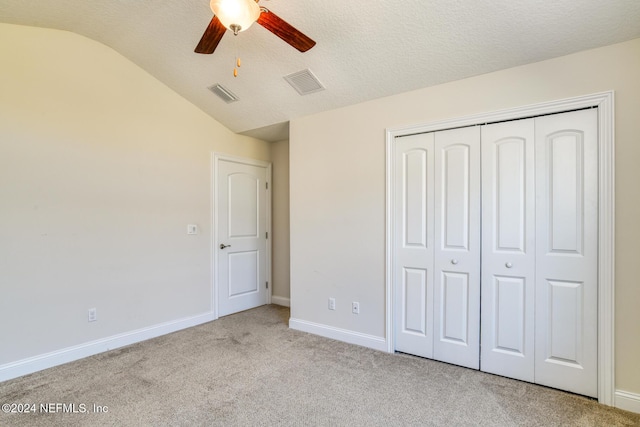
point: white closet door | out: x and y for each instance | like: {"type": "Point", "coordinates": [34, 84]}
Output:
{"type": "Point", "coordinates": [413, 244]}
{"type": "Point", "coordinates": [508, 249]}
{"type": "Point", "coordinates": [457, 247]}
{"type": "Point", "coordinates": [567, 251]}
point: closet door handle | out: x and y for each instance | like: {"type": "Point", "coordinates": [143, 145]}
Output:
{"type": "Point", "coordinates": [454, 261]}
{"type": "Point", "coordinates": [222, 246]}
{"type": "Point", "coordinates": [508, 265]}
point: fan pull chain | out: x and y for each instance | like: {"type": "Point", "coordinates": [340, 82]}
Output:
{"type": "Point", "coordinates": [235, 70]}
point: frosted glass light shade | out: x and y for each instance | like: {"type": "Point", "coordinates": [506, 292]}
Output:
{"type": "Point", "coordinates": [241, 13]}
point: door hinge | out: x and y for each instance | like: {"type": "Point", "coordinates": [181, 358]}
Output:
{"type": "Point", "coordinates": [267, 283]}
{"type": "Point", "coordinates": [267, 184]}
{"type": "Point", "coordinates": [266, 235]}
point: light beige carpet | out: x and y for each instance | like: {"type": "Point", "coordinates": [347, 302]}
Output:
{"type": "Point", "coordinates": [249, 369]}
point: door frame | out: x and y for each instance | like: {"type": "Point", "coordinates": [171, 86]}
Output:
{"type": "Point", "coordinates": [604, 101]}
{"type": "Point", "coordinates": [216, 157]}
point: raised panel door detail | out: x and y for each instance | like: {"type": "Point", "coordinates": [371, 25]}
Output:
{"type": "Point", "coordinates": [243, 273]}
{"type": "Point", "coordinates": [455, 197]}
{"type": "Point", "coordinates": [454, 307]}
{"type": "Point", "coordinates": [243, 205]}
{"type": "Point", "coordinates": [565, 328]}
{"type": "Point", "coordinates": [415, 301]}
{"type": "Point", "coordinates": [565, 180]}
{"type": "Point", "coordinates": [511, 193]}
{"type": "Point", "coordinates": [509, 314]}
{"type": "Point", "coordinates": [415, 198]}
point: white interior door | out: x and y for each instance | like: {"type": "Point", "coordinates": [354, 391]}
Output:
{"type": "Point", "coordinates": [413, 244]}
{"type": "Point", "coordinates": [241, 244]}
{"type": "Point", "coordinates": [457, 247]}
{"type": "Point", "coordinates": [567, 251]}
{"type": "Point", "coordinates": [508, 249]}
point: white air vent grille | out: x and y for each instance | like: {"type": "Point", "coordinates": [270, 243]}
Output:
{"type": "Point", "coordinates": [304, 82]}
{"type": "Point", "coordinates": [223, 93]}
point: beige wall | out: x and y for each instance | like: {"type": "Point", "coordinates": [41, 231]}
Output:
{"type": "Point", "coordinates": [337, 161]}
{"type": "Point", "coordinates": [101, 169]}
{"type": "Point", "coordinates": [280, 222]}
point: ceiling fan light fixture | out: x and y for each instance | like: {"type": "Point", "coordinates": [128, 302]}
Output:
{"type": "Point", "coordinates": [236, 15]}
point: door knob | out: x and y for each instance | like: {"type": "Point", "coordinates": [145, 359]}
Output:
{"type": "Point", "coordinates": [508, 265]}
{"type": "Point", "coordinates": [454, 261]}
{"type": "Point", "coordinates": [222, 246]}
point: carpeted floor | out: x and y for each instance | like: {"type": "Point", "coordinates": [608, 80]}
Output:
{"type": "Point", "coordinates": [249, 369]}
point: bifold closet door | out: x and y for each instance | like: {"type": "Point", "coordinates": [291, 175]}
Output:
{"type": "Point", "coordinates": [413, 244]}
{"type": "Point", "coordinates": [437, 245]}
{"type": "Point", "coordinates": [567, 251]}
{"type": "Point", "coordinates": [508, 249]}
{"type": "Point", "coordinates": [539, 253]}
{"type": "Point", "coordinates": [457, 247]}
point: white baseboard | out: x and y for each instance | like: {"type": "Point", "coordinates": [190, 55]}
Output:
{"type": "Point", "coordinates": [627, 401]}
{"type": "Point", "coordinates": [351, 337]}
{"type": "Point", "coordinates": [285, 302]}
{"type": "Point", "coordinates": [69, 354]}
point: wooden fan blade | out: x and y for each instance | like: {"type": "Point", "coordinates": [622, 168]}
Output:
{"type": "Point", "coordinates": [211, 37]}
{"type": "Point", "coordinates": [285, 31]}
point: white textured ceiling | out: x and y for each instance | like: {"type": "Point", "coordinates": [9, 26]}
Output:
{"type": "Point", "coordinates": [365, 49]}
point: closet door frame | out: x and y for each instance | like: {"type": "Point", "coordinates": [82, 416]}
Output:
{"type": "Point", "coordinates": [604, 101]}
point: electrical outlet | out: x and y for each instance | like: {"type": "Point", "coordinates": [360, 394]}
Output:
{"type": "Point", "coordinates": [355, 307]}
{"type": "Point", "coordinates": [93, 315]}
{"type": "Point", "coordinates": [332, 303]}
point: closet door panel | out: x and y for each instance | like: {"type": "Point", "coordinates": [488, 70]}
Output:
{"type": "Point", "coordinates": [508, 249]}
{"type": "Point", "coordinates": [508, 321]}
{"type": "Point", "coordinates": [567, 251]}
{"type": "Point", "coordinates": [457, 246]}
{"type": "Point", "coordinates": [454, 307]}
{"type": "Point", "coordinates": [413, 245]}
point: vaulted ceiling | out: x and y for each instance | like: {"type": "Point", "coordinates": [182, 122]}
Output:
{"type": "Point", "coordinates": [365, 49]}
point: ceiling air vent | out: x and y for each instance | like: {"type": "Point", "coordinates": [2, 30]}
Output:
{"type": "Point", "coordinates": [223, 93]}
{"type": "Point", "coordinates": [304, 82]}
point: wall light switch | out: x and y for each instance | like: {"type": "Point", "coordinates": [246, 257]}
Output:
{"type": "Point", "coordinates": [192, 229]}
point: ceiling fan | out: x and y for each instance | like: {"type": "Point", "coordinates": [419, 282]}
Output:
{"type": "Point", "coordinates": [239, 15]}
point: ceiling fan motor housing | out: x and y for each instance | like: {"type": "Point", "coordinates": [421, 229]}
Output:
{"type": "Point", "coordinates": [236, 15]}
